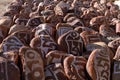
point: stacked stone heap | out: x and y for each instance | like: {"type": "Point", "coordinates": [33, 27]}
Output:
{"type": "Point", "coordinates": [60, 40]}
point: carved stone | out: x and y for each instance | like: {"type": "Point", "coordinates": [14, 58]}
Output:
{"type": "Point", "coordinates": [32, 64]}
{"type": "Point", "coordinates": [55, 72]}
{"type": "Point", "coordinates": [71, 42]}
{"type": "Point", "coordinates": [74, 67]}
{"type": "Point", "coordinates": [98, 65]}
{"type": "Point", "coordinates": [8, 70]}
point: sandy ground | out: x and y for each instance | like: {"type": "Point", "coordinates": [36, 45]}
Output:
{"type": "Point", "coordinates": [3, 5]}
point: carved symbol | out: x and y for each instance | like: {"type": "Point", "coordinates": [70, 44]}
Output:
{"type": "Point", "coordinates": [47, 44]}
{"type": "Point", "coordinates": [12, 43]}
{"type": "Point", "coordinates": [74, 43]}
{"type": "Point", "coordinates": [33, 22]}
{"type": "Point", "coordinates": [116, 68]}
{"type": "Point", "coordinates": [93, 38]}
{"type": "Point", "coordinates": [32, 65]}
{"type": "Point", "coordinates": [102, 65]}
{"type": "Point", "coordinates": [63, 30]}
{"type": "Point", "coordinates": [43, 29]}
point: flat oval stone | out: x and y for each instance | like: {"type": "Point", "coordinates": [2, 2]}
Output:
{"type": "Point", "coordinates": [74, 67]}
{"type": "Point", "coordinates": [32, 64]}
{"type": "Point", "coordinates": [99, 64]}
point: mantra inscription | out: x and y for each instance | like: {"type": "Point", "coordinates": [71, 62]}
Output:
{"type": "Point", "coordinates": [33, 65]}
{"type": "Point", "coordinates": [116, 68]}
{"type": "Point", "coordinates": [62, 30]}
{"type": "Point", "coordinates": [74, 43]}
{"type": "Point", "coordinates": [11, 43]}
{"type": "Point", "coordinates": [102, 65]}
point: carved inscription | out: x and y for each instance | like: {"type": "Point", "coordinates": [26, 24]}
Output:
{"type": "Point", "coordinates": [116, 68]}
{"type": "Point", "coordinates": [33, 65]}
{"type": "Point", "coordinates": [47, 44]}
{"type": "Point", "coordinates": [11, 43]}
{"type": "Point", "coordinates": [8, 70]}
{"type": "Point", "coordinates": [45, 29]}
{"type": "Point", "coordinates": [4, 69]}
{"type": "Point", "coordinates": [34, 22]}
{"type": "Point", "coordinates": [55, 72]}
{"type": "Point", "coordinates": [56, 57]}
{"type": "Point", "coordinates": [62, 30]}
{"type": "Point", "coordinates": [74, 67]}
{"type": "Point", "coordinates": [93, 38]}
{"type": "Point", "coordinates": [102, 65]}
{"type": "Point", "coordinates": [74, 43]}
{"type": "Point", "coordinates": [44, 44]}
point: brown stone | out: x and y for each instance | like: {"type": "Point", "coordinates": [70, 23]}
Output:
{"type": "Point", "coordinates": [6, 21]}
{"type": "Point", "coordinates": [80, 29]}
{"type": "Point", "coordinates": [115, 70]}
{"type": "Point", "coordinates": [98, 65]}
{"type": "Point", "coordinates": [103, 45]}
{"type": "Point", "coordinates": [90, 37]}
{"type": "Point", "coordinates": [118, 27]}
{"type": "Point", "coordinates": [34, 22]}
{"type": "Point", "coordinates": [11, 56]}
{"type": "Point", "coordinates": [114, 44]}
{"type": "Point", "coordinates": [37, 8]}
{"type": "Point", "coordinates": [54, 19]}
{"type": "Point", "coordinates": [73, 20]}
{"type": "Point", "coordinates": [62, 28]}
{"type": "Point", "coordinates": [45, 29]}
{"type": "Point", "coordinates": [61, 8]}
{"type": "Point", "coordinates": [25, 36]}
{"type": "Point", "coordinates": [56, 57]}
{"type": "Point", "coordinates": [3, 32]}
{"type": "Point", "coordinates": [71, 42]}
{"type": "Point", "coordinates": [43, 44]}
{"type": "Point", "coordinates": [68, 15]}
{"type": "Point", "coordinates": [11, 43]}
{"type": "Point", "coordinates": [87, 15]}
{"type": "Point", "coordinates": [107, 32]}
{"type": "Point", "coordinates": [74, 67]}
{"type": "Point", "coordinates": [19, 25]}
{"type": "Point", "coordinates": [15, 7]}
{"type": "Point", "coordinates": [32, 64]}
{"type": "Point", "coordinates": [117, 54]}
{"type": "Point", "coordinates": [96, 22]}
{"type": "Point", "coordinates": [8, 70]}
{"type": "Point", "coordinates": [55, 72]}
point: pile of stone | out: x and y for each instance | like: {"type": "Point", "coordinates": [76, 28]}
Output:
{"type": "Point", "coordinates": [60, 40]}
